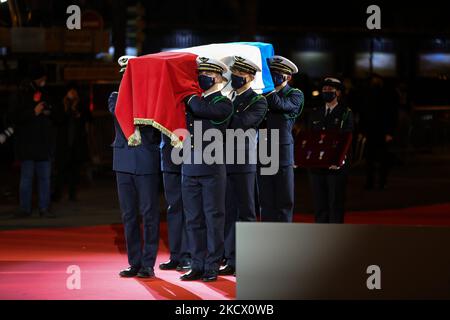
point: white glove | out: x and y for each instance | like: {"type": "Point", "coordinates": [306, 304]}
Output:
{"type": "Point", "coordinates": [2, 138]}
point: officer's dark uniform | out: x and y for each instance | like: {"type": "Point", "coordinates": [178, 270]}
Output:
{"type": "Point", "coordinates": [176, 225]}
{"type": "Point", "coordinates": [328, 186]}
{"type": "Point", "coordinates": [204, 185]}
{"type": "Point", "coordinates": [137, 171]}
{"type": "Point", "coordinates": [249, 111]}
{"type": "Point", "coordinates": [276, 192]}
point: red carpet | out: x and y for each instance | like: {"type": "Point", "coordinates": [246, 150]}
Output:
{"type": "Point", "coordinates": [33, 263]}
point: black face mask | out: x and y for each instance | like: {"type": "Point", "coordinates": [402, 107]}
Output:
{"type": "Point", "coordinates": [205, 82]}
{"type": "Point", "coordinates": [237, 81]}
{"type": "Point", "coordinates": [328, 96]}
{"type": "Point", "coordinates": [277, 78]}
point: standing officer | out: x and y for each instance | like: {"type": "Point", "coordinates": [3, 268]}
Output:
{"type": "Point", "coordinates": [276, 192]}
{"type": "Point", "coordinates": [137, 172]}
{"type": "Point", "coordinates": [250, 109]}
{"type": "Point", "coordinates": [328, 185]}
{"type": "Point", "coordinates": [204, 184]}
{"type": "Point", "coordinates": [176, 223]}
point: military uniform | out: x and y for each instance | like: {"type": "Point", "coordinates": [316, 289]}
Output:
{"type": "Point", "coordinates": [249, 111]}
{"type": "Point", "coordinates": [176, 224]}
{"type": "Point", "coordinates": [203, 185]}
{"type": "Point", "coordinates": [276, 192]}
{"type": "Point", "coordinates": [328, 185]}
{"type": "Point", "coordinates": [137, 174]}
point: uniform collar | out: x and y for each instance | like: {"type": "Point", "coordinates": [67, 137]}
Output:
{"type": "Point", "coordinates": [211, 94]}
{"type": "Point", "coordinates": [244, 93]}
{"type": "Point", "coordinates": [332, 107]}
{"type": "Point", "coordinates": [336, 107]}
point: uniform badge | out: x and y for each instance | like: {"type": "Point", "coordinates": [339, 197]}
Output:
{"type": "Point", "coordinates": [123, 61]}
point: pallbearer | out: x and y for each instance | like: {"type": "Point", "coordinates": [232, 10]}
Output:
{"type": "Point", "coordinates": [203, 184]}
{"type": "Point", "coordinates": [176, 223]}
{"type": "Point", "coordinates": [250, 109]}
{"type": "Point", "coordinates": [137, 173]}
{"type": "Point", "coordinates": [276, 192]}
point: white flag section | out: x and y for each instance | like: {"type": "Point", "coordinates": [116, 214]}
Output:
{"type": "Point", "coordinates": [225, 53]}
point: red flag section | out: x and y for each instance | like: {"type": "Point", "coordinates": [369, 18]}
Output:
{"type": "Point", "coordinates": [152, 91]}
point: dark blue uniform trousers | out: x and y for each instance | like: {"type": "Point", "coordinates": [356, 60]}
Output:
{"type": "Point", "coordinates": [204, 208]}
{"type": "Point", "coordinates": [276, 195]}
{"type": "Point", "coordinates": [139, 193]}
{"type": "Point", "coordinates": [176, 223]}
{"type": "Point", "coordinates": [329, 196]}
{"type": "Point", "coordinates": [240, 206]}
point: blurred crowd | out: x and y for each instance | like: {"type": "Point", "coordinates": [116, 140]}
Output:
{"type": "Point", "coordinates": [49, 140]}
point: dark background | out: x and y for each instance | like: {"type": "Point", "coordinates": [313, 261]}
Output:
{"type": "Point", "coordinates": [323, 38]}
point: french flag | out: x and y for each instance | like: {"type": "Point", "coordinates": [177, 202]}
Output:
{"type": "Point", "coordinates": [153, 86]}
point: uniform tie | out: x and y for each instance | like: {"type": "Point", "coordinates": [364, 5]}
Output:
{"type": "Point", "coordinates": [233, 95]}
{"type": "Point", "coordinates": [327, 112]}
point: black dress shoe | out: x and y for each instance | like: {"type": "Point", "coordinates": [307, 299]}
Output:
{"type": "Point", "coordinates": [146, 272]}
{"type": "Point", "coordinates": [169, 265]}
{"type": "Point", "coordinates": [129, 272]}
{"type": "Point", "coordinates": [184, 266]}
{"type": "Point", "coordinates": [210, 275]}
{"type": "Point", "coordinates": [227, 270]}
{"type": "Point", "coordinates": [192, 275]}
